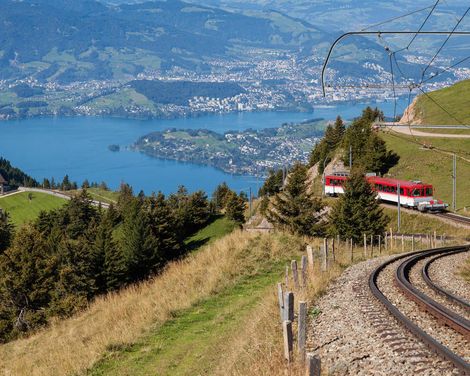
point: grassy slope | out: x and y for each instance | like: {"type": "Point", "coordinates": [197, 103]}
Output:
{"type": "Point", "coordinates": [191, 343]}
{"type": "Point", "coordinates": [22, 210]}
{"type": "Point", "coordinates": [431, 166]}
{"type": "Point", "coordinates": [455, 99]}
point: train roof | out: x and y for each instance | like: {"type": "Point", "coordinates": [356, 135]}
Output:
{"type": "Point", "coordinates": [403, 183]}
{"type": "Point", "coordinates": [379, 180]}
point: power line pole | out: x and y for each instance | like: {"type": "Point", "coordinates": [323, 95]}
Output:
{"type": "Point", "coordinates": [454, 183]}
{"type": "Point", "coordinates": [350, 158]}
{"type": "Point", "coordinates": [399, 208]}
{"type": "Point", "coordinates": [250, 202]}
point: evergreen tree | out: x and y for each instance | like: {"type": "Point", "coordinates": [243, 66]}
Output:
{"type": "Point", "coordinates": [137, 244]}
{"type": "Point", "coordinates": [273, 183]}
{"type": "Point", "coordinates": [163, 229]}
{"type": "Point", "coordinates": [294, 208]}
{"type": "Point", "coordinates": [86, 184]}
{"type": "Point", "coordinates": [357, 212]}
{"type": "Point", "coordinates": [66, 185]}
{"type": "Point", "coordinates": [6, 231]}
{"type": "Point", "coordinates": [219, 197]}
{"type": "Point", "coordinates": [235, 208]}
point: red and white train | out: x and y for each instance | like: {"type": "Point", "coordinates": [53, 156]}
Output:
{"type": "Point", "coordinates": [413, 194]}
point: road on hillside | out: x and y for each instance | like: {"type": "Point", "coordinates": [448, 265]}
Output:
{"type": "Point", "coordinates": [52, 193]}
{"type": "Point", "coordinates": [413, 131]}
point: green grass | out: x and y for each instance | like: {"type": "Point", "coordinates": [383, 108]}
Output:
{"type": "Point", "coordinates": [191, 343]}
{"type": "Point", "coordinates": [22, 210]}
{"type": "Point", "coordinates": [416, 223]}
{"type": "Point", "coordinates": [431, 166]}
{"type": "Point", "coordinates": [220, 227]}
{"type": "Point", "coordinates": [455, 99]}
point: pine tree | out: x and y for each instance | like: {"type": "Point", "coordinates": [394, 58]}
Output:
{"type": "Point", "coordinates": [357, 212]}
{"type": "Point", "coordinates": [235, 208]}
{"type": "Point", "coordinates": [294, 209]}
{"type": "Point", "coordinates": [137, 244]}
{"type": "Point", "coordinates": [273, 183]}
{"type": "Point", "coordinates": [163, 230]}
{"type": "Point", "coordinates": [219, 197]}
{"type": "Point", "coordinates": [6, 231]}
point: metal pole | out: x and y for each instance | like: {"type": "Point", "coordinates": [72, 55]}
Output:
{"type": "Point", "coordinates": [454, 183]}
{"type": "Point", "coordinates": [399, 208]}
{"type": "Point", "coordinates": [350, 158]}
{"type": "Point", "coordinates": [250, 202]}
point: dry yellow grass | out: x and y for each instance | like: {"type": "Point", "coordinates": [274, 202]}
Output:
{"type": "Point", "coordinates": [71, 346]}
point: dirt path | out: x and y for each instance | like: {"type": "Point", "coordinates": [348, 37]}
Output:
{"type": "Point", "coordinates": [413, 132]}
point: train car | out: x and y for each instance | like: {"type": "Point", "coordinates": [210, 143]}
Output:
{"type": "Point", "coordinates": [413, 194]}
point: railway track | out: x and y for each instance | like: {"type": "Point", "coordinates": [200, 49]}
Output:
{"type": "Point", "coordinates": [447, 294]}
{"type": "Point", "coordinates": [421, 314]}
{"type": "Point", "coordinates": [454, 217]}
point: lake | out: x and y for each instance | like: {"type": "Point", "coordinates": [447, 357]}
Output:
{"type": "Point", "coordinates": [78, 146]}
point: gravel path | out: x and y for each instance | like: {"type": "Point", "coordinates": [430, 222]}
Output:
{"type": "Point", "coordinates": [355, 335]}
{"type": "Point", "coordinates": [445, 273]}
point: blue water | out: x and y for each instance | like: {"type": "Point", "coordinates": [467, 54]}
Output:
{"type": "Point", "coordinates": [53, 147]}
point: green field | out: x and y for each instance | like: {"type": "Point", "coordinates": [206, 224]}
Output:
{"type": "Point", "coordinates": [455, 99]}
{"type": "Point", "coordinates": [220, 227]}
{"type": "Point", "coordinates": [22, 210]}
{"type": "Point", "coordinates": [193, 341]}
{"type": "Point", "coordinates": [432, 166]}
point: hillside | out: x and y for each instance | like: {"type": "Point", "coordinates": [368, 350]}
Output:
{"type": "Point", "coordinates": [66, 41]}
{"type": "Point", "coordinates": [21, 209]}
{"type": "Point", "coordinates": [430, 110]}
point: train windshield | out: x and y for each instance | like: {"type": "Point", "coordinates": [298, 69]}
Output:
{"type": "Point", "coordinates": [429, 191]}
{"type": "Point", "coordinates": [416, 192]}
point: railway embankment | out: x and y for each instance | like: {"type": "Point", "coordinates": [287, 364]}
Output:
{"type": "Point", "coordinates": [354, 334]}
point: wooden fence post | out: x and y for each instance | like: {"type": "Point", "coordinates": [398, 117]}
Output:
{"type": "Point", "coordinates": [304, 271]}
{"type": "Point", "coordinates": [289, 306]}
{"type": "Point", "coordinates": [402, 242]}
{"type": "Point", "coordinates": [325, 255]}
{"type": "Point", "coordinates": [333, 249]}
{"type": "Point", "coordinates": [412, 242]}
{"type": "Point", "coordinates": [435, 239]}
{"type": "Point", "coordinates": [391, 238]}
{"type": "Point", "coordinates": [430, 240]}
{"type": "Point", "coordinates": [295, 274]}
{"type": "Point", "coordinates": [372, 246]}
{"type": "Point", "coordinates": [280, 298]}
{"type": "Point", "coordinates": [313, 365]}
{"type": "Point", "coordinates": [288, 339]}
{"type": "Point", "coordinates": [386, 241]}
{"type": "Point", "coordinates": [352, 250]}
{"type": "Point", "coordinates": [380, 244]}
{"type": "Point", "coordinates": [302, 328]}
{"type": "Point", "coordinates": [365, 246]}
{"type": "Point", "coordinates": [287, 277]}
{"type": "Point", "coordinates": [310, 256]}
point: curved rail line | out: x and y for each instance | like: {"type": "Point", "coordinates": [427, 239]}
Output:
{"type": "Point", "coordinates": [441, 313]}
{"type": "Point", "coordinates": [450, 296]}
{"type": "Point", "coordinates": [454, 217]}
{"type": "Point", "coordinates": [424, 337]}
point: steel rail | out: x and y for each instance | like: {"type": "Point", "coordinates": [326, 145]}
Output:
{"type": "Point", "coordinates": [441, 313]}
{"type": "Point", "coordinates": [424, 337]}
{"type": "Point", "coordinates": [447, 294]}
{"type": "Point", "coordinates": [345, 35]}
{"type": "Point", "coordinates": [454, 217]}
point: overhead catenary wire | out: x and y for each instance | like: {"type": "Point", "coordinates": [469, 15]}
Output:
{"type": "Point", "coordinates": [443, 44]}
{"type": "Point", "coordinates": [421, 27]}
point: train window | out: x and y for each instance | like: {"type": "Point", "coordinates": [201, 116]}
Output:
{"type": "Point", "coordinates": [429, 191]}
{"type": "Point", "coordinates": [416, 193]}
{"type": "Point", "coordinates": [402, 191]}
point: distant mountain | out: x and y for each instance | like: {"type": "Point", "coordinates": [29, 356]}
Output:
{"type": "Point", "coordinates": [336, 16]}
{"type": "Point", "coordinates": [67, 40]}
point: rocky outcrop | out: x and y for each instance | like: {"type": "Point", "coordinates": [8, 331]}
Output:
{"type": "Point", "coordinates": [411, 115]}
